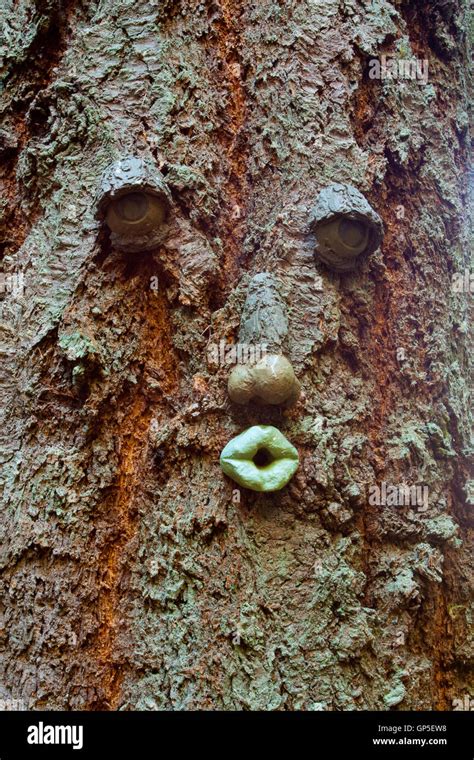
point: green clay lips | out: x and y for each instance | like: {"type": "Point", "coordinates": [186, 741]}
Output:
{"type": "Point", "coordinates": [260, 458]}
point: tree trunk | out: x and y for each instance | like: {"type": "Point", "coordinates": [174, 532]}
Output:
{"type": "Point", "coordinates": [134, 573]}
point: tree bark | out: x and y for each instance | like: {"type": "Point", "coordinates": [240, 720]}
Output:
{"type": "Point", "coordinates": [134, 574]}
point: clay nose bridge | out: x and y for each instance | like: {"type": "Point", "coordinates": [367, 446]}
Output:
{"type": "Point", "coordinates": [264, 325]}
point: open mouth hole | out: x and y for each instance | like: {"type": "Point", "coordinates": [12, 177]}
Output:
{"type": "Point", "coordinates": [262, 458]}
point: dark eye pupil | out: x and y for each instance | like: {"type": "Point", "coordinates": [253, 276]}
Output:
{"type": "Point", "coordinates": [132, 207]}
{"type": "Point", "coordinates": [352, 233]}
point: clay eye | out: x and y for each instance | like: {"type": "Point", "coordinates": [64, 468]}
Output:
{"type": "Point", "coordinates": [345, 227]}
{"type": "Point", "coordinates": [135, 213]}
{"type": "Point", "coordinates": [134, 201]}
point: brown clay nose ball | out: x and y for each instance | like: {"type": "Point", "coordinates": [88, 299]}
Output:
{"type": "Point", "coordinates": [269, 381]}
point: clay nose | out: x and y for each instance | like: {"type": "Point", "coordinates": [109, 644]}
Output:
{"type": "Point", "coordinates": [270, 381]}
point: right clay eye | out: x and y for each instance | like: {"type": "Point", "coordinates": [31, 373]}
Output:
{"type": "Point", "coordinates": [345, 227]}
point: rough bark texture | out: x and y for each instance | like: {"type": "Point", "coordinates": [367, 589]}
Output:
{"type": "Point", "coordinates": [131, 575]}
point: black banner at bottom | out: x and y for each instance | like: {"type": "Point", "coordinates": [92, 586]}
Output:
{"type": "Point", "coordinates": [138, 735]}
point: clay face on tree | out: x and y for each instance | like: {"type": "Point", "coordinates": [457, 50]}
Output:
{"type": "Point", "coordinates": [134, 200]}
{"type": "Point", "coordinates": [345, 226]}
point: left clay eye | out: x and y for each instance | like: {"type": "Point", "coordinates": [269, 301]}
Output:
{"type": "Point", "coordinates": [134, 201]}
{"type": "Point", "coordinates": [135, 214]}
